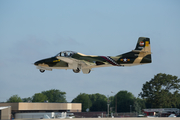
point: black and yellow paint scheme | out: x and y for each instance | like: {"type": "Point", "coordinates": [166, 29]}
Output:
{"type": "Point", "coordinates": [78, 61]}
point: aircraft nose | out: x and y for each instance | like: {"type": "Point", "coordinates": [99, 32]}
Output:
{"type": "Point", "coordinates": [44, 62]}
{"type": "Point", "coordinates": [37, 63]}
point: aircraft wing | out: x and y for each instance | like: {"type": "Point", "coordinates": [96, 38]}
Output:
{"type": "Point", "coordinates": [75, 62]}
{"type": "Point", "coordinates": [66, 59]}
{"type": "Point", "coordinates": [86, 63]}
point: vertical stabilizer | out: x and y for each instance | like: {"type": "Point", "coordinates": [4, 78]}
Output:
{"type": "Point", "coordinates": [144, 49]}
{"type": "Point", "coordinates": [143, 44]}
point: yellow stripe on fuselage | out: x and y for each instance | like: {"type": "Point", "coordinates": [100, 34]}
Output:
{"type": "Point", "coordinates": [56, 60]}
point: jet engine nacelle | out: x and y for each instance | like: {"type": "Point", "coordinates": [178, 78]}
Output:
{"type": "Point", "coordinates": [86, 71]}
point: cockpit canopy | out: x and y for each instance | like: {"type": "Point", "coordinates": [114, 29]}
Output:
{"type": "Point", "coordinates": [65, 54]}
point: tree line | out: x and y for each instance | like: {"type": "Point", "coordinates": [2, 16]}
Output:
{"type": "Point", "coordinates": [53, 95]}
{"type": "Point", "coordinates": [162, 91]}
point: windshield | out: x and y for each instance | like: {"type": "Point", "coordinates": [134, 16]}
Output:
{"type": "Point", "coordinates": [65, 54]}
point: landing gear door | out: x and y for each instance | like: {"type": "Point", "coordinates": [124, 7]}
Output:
{"type": "Point", "coordinates": [86, 70]}
{"type": "Point", "coordinates": [73, 65]}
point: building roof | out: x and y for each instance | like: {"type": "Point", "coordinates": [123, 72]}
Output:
{"type": "Point", "coordinates": [43, 106]}
{"type": "Point", "coordinates": [162, 110]}
{"type": "Point", "coordinates": [1, 108]}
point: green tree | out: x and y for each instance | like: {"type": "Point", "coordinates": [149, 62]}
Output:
{"type": "Point", "coordinates": [39, 97]}
{"type": "Point", "coordinates": [14, 98]}
{"type": "Point", "coordinates": [84, 99]}
{"type": "Point", "coordinates": [178, 104]}
{"type": "Point", "coordinates": [139, 104]}
{"type": "Point", "coordinates": [161, 91]}
{"type": "Point", "coordinates": [99, 102]}
{"type": "Point", "coordinates": [112, 101]}
{"type": "Point", "coordinates": [55, 95]}
{"type": "Point", "coordinates": [29, 99]}
{"type": "Point", "coordinates": [125, 99]}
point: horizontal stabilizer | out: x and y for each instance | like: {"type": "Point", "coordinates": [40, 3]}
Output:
{"type": "Point", "coordinates": [140, 51]}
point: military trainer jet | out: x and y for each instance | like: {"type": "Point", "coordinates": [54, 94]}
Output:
{"type": "Point", "coordinates": [78, 61]}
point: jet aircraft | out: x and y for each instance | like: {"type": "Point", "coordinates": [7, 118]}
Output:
{"type": "Point", "coordinates": [80, 62]}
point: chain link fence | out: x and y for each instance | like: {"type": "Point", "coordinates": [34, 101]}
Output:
{"type": "Point", "coordinates": [103, 114]}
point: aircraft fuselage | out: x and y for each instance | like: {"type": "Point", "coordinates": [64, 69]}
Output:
{"type": "Point", "coordinates": [78, 61]}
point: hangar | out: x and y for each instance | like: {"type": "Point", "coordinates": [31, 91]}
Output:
{"type": "Point", "coordinates": [23, 107]}
{"type": "Point", "coordinates": [5, 112]}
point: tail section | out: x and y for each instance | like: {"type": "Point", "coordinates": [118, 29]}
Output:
{"type": "Point", "coordinates": [140, 55]}
{"type": "Point", "coordinates": [143, 44]}
{"type": "Point", "coordinates": [143, 49]}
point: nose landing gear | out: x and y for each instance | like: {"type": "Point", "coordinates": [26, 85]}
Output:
{"type": "Point", "coordinates": [41, 70]}
{"type": "Point", "coordinates": [76, 70]}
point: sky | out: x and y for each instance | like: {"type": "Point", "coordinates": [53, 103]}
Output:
{"type": "Point", "coordinates": [31, 30]}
